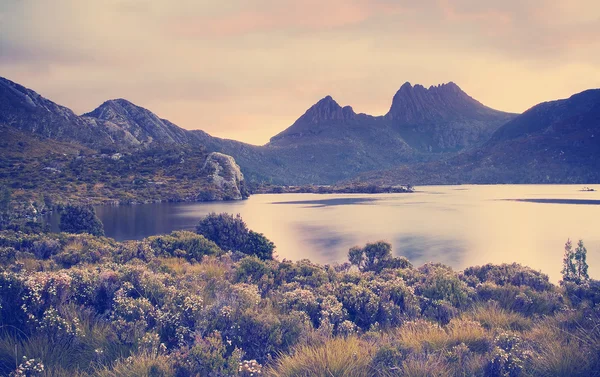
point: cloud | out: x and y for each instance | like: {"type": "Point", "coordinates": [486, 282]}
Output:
{"type": "Point", "coordinates": [251, 68]}
{"type": "Point", "coordinates": [281, 16]}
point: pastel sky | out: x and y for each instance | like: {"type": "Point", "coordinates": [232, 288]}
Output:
{"type": "Point", "coordinates": [246, 69]}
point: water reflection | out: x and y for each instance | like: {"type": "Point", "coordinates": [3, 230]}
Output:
{"type": "Point", "coordinates": [420, 249]}
{"type": "Point", "coordinates": [331, 202]}
{"type": "Point", "coordinates": [457, 225]}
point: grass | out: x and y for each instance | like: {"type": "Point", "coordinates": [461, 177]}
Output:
{"type": "Point", "coordinates": [337, 357]}
{"type": "Point", "coordinates": [143, 365]}
{"type": "Point", "coordinates": [492, 316]}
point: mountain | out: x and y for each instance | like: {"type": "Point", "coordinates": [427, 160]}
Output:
{"type": "Point", "coordinates": [144, 126]}
{"type": "Point", "coordinates": [27, 111]}
{"type": "Point", "coordinates": [329, 142]}
{"type": "Point", "coordinates": [553, 142]}
{"type": "Point", "coordinates": [326, 144]}
{"type": "Point", "coordinates": [118, 152]}
{"type": "Point", "coordinates": [116, 125]}
{"type": "Point", "coordinates": [442, 118]}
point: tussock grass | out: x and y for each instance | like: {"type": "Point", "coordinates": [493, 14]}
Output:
{"type": "Point", "coordinates": [143, 365]}
{"type": "Point", "coordinates": [425, 366]}
{"type": "Point", "coordinates": [492, 316]}
{"type": "Point", "coordinates": [563, 359]}
{"type": "Point", "coordinates": [337, 357]}
{"type": "Point", "coordinates": [422, 336]}
{"type": "Point", "coordinates": [470, 333]}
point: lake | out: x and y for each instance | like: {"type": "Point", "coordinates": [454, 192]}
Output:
{"type": "Point", "coordinates": [457, 225]}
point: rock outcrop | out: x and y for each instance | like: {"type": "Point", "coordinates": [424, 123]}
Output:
{"type": "Point", "coordinates": [225, 176]}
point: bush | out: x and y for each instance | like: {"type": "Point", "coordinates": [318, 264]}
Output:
{"type": "Point", "coordinates": [76, 219]}
{"type": "Point", "coordinates": [375, 257]}
{"type": "Point", "coordinates": [259, 245]}
{"type": "Point", "coordinates": [231, 233]}
{"type": "Point", "coordinates": [183, 244]}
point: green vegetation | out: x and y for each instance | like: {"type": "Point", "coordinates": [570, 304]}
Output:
{"type": "Point", "coordinates": [231, 233]}
{"type": "Point", "coordinates": [348, 188]}
{"type": "Point", "coordinates": [69, 176]}
{"type": "Point", "coordinates": [218, 304]}
{"type": "Point", "coordinates": [77, 219]}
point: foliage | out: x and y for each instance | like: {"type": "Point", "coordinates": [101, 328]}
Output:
{"type": "Point", "coordinates": [183, 244]}
{"type": "Point", "coordinates": [575, 268]}
{"type": "Point", "coordinates": [231, 233]}
{"type": "Point", "coordinates": [375, 257]}
{"type": "Point", "coordinates": [80, 219]}
{"type": "Point", "coordinates": [178, 305]}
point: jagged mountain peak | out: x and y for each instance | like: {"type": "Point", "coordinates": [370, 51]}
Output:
{"type": "Point", "coordinates": [326, 109]}
{"type": "Point", "coordinates": [119, 108]}
{"type": "Point", "coordinates": [143, 124]}
{"type": "Point", "coordinates": [415, 104]}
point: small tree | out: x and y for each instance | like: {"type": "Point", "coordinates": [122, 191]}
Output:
{"type": "Point", "coordinates": [375, 257]}
{"type": "Point", "coordinates": [581, 267]}
{"type": "Point", "coordinates": [81, 219]}
{"type": "Point", "coordinates": [231, 233]}
{"type": "Point", "coordinates": [259, 245]}
{"type": "Point", "coordinates": [227, 231]}
{"type": "Point", "coordinates": [569, 270]}
{"type": "Point", "coordinates": [575, 267]}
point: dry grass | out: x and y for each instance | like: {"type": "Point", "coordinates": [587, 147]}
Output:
{"type": "Point", "coordinates": [422, 336]}
{"type": "Point", "coordinates": [139, 366]}
{"type": "Point", "coordinates": [337, 357]}
{"type": "Point", "coordinates": [562, 353]}
{"type": "Point", "coordinates": [425, 366]}
{"type": "Point", "coordinates": [492, 316]}
{"type": "Point", "coordinates": [470, 333]}
{"type": "Point", "coordinates": [559, 359]}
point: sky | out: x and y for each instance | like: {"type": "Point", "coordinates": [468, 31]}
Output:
{"type": "Point", "coordinates": [247, 69]}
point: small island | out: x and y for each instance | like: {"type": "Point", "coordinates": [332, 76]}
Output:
{"type": "Point", "coordinates": [360, 188]}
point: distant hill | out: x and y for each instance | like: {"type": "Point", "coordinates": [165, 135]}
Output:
{"type": "Point", "coordinates": [331, 143]}
{"type": "Point", "coordinates": [553, 142]}
{"type": "Point", "coordinates": [430, 135]}
{"type": "Point", "coordinates": [118, 152]}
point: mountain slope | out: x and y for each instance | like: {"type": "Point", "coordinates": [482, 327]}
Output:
{"type": "Point", "coordinates": [553, 142]}
{"type": "Point", "coordinates": [442, 118]}
{"type": "Point", "coordinates": [331, 143]}
{"type": "Point", "coordinates": [142, 124]}
{"type": "Point", "coordinates": [28, 111]}
{"type": "Point", "coordinates": [47, 153]}
{"type": "Point", "coordinates": [327, 144]}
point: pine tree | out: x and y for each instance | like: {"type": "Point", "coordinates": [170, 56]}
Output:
{"type": "Point", "coordinates": [569, 271]}
{"type": "Point", "coordinates": [581, 266]}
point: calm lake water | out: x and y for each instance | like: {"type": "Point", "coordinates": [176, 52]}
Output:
{"type": "Point", "coordinates": [457, 225]}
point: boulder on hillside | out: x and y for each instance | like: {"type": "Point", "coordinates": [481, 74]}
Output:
{"type": "Point", "coordinates": [225, 175]}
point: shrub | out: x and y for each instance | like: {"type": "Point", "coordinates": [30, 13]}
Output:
{"type": "Point", "coordinates": [207, 357]}
{"type": "Point", "coordinates": [375, 257]}
{"type": "Point", "coordinates": [505, 274]}
{"type": "Point", "coordinates": [259, 245]}
{"type": "Point", "coordinates": [227, 231]}
{"type": "Point", "coordinates": [439, 282]}
{"type": "Point", "coordinates": [183, 244]}
{"type": "Point", "coordinates": [231, 233]}
{"type": "Point", "coordinates": [76, 219]}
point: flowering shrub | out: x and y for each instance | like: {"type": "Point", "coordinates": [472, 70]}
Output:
{"type": "Point", "coordinates": [28, 368]}
{"type": "Point", "coordinates": [509, 357]}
